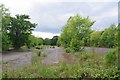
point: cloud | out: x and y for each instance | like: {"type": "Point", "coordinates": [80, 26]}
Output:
{"type": "Point", "coordinates": [53, 16]}
{"type": "Point", "coordinates": [105, 19]}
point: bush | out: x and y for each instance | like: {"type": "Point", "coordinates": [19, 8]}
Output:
{"type": "Point", "coordinates": [111, 57]}
{"type": "Point", "coordinates": [43, 55]}
{"type": "Point", "coordinates": [37, 47]}
{"type": "Point", "coordinates": [53, 46]}
{"type": "Point", "coordinates": [68, 50]}
{"type": "Point", "coordinates": [83, 55]}
{"type": "Point", "coordinates": [6, 43]}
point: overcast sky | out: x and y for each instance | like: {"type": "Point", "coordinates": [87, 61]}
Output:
{"type": "Point", "coordinates": [51, 16]}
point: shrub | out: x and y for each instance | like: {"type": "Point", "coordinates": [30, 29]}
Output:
{"type": "Point", "coordinates": [68, 50]}
{"type": "Point", "coordinates": [44, 55]}
{"type": "Point", "coordinates": [23, 48]}
{"type": "Point", "coordinates": [37, 47]}
{"type": "Point", "coordinates": [83, 55]}
{"type": "Point", "coordinates": [111, 57]}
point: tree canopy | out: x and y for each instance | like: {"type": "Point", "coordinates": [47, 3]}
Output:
{"type": "Point", "coordinates": [19, 30]}
{"type": "Point", "coordinates": [15, 30]}
{"type": "Point", "coordinates": [76, 29]}
{"type": "Point", "coordinates": [4, 20]}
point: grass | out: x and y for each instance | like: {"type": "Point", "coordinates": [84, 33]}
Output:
{"type": "Point", "coordinates": [62, 71]}
{"type": "Point", "coordinates": [89, 65]}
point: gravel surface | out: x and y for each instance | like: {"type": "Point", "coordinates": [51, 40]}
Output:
{"type": "Point", "coordinates": [97, 50]}
{"type": "Point", "coordinates": [16, 59]}
{"type": "Point", "coordinates": [54, 55]}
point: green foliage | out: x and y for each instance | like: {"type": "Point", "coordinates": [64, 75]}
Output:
{"type": "Point", "coordinates": [4, 11]}
{"type": "Point", "coordinates": [111, 57]}
{"type": "Point", "coordinates": [95, 38]}
{"type": "Point", "coordinates": [0, 41]}
{"type": "Point", "coordinates": [54, 40]}
{"type": "Point", "coordinates": [37, 47]}
{"type": "Point", "coordinates": [68, 50]}
{"type": "Point", "coordinates": [58, 42]}
{"type": "Point", "coordinates": [19, 30]}
{"type": "Point", "coordinates": [77, 32]}
{"type": "Point", "coordinates": [4, 20]}
{"type": "Point", "coordinates": [34, 41]}
{"type": "Point", "coordinates": [108, 37]}
{"type": "Point", "coordinates": [6, 43]}
{"type": "Point", "coordinates": [75, 44]}
{"type": "Point", "coordinates": [47, 41]}
{"type": "Point", "coordinates": [15, 30]}
{"type": "Point", "coordinates": [74, 31]}
{"type": "Point", "coordinates": [43, 55]}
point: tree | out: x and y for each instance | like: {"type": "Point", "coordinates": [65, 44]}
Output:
{"type": "Point", "coordinates": [34, 41]}
{"type": "Point", "coordinates": [19, 30]}
{"type": "Point", "coordinates": [40, 41]}
{"type": "Point", "coordinates": [108, 37]}
{"type": "Point", "coordinates": [74, 31]}
{"type": "Point", "coordinates": [4, 11]}
{"type": "Point", "coordinates": [47, 41]}
{"type": "Point", "coordinates": [86, 40]}
{"type": "Point", "coordinates": [4, 21]}
{"type": "Point", "coordinates": [95, 38]}
{"type": "Point", "coordinates": [54, 40]}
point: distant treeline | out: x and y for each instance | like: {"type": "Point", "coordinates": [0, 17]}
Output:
{"type": "Point", "coordinates": [37, 41]}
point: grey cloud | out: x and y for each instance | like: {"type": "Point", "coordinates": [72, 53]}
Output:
{"type": "Point", "coordinates": [50, 18]}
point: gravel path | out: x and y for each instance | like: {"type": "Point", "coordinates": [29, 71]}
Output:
{"type": "Point", "coordinates": [16, 59]}
{"type": "Point", "coordinates": [14, 56]}
{"type": "Point", "coordinates": [54, 55]}
{"type": "Point", "coordinates": [97, 50]}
